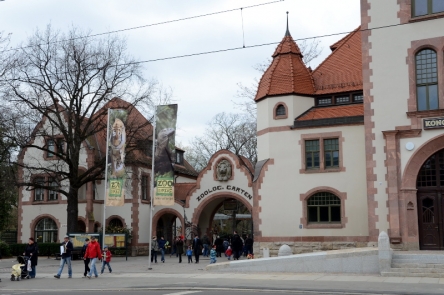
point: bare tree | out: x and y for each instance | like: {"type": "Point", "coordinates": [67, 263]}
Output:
{"type": "Point", "coordinates": [233, 132]}
{"type": "Point", "coordinates": [309, 50]}
{"type": "Point", "coordinates": [64, 83]}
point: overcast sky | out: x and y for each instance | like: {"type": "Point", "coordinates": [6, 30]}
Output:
{"type": "Point", "coordinates": [202, 85]}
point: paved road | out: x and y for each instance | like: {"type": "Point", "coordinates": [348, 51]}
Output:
{"type": "Point", "coordinates": [172, 277]}
{"type": "Point", "coordinates": [171, 292]}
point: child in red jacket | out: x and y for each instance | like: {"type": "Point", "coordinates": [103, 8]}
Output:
{"type": "Point", "coordinates": [229, 252]}
{"type": "Point", "coordinates": [106, 259]}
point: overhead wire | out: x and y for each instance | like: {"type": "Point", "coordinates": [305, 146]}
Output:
{"type": "Point", "coordinates": [247, 47]}
{"type": "Point", "coordinates": [150, 25]}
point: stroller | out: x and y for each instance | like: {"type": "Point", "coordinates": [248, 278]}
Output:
{"type": "Point", "coordinates": [20, 270]}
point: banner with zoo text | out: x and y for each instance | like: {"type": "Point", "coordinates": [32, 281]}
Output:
{"type": "Point", "coordinates": [116, 157]}
{"type": "Point", "coordinates": [165, 155]}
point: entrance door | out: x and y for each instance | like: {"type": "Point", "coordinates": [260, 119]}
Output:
{"type": "Point", "coordinates": [430, 221]}
{"type": "Point", "coordinates": [430, 184]}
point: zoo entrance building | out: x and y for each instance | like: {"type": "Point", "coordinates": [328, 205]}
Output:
{"type": "Point", "coordinates": [346, 150]}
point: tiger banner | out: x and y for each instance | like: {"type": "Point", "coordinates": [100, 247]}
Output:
{"type": "Point", "coordinates": [116, 140]}
{"type": "Point", "coordinates": [166, 117]}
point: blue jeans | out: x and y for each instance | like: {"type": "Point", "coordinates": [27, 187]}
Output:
{"type": "Point", "coordinates": [212, 260]}
{"type": "Point", "coordinates": [162, 253]}
{"type": "Point", "coordinates": [62, 264]}
{"type": "Point", "coordinates": [103, 266]}
{"type": "Point", "coordinates": [206, 252]}
{"type": "Point", "coordinates": [32, 273]}
{"type": "Point", "coordinates": [93, 268]}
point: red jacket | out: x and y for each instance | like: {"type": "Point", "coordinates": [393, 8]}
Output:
{"type": "Point", "coordinates": [106, 255]}
{"type": "Point", "coordinates": [93, 250]}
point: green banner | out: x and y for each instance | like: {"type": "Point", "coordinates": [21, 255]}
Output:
{"type": "Point", "coordinates": [116, 157]}
{"type": "Point", "coordinates": [166, 117]}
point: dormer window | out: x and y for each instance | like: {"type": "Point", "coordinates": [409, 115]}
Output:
{"type": "Point", "coordinates": [280, 110]}
{"type": "Point", "coordinates": [179, 157]}
{"type": "Point", "coordinates": [340, 99]}
{"type": "Point", "coordinates": [324, 101]}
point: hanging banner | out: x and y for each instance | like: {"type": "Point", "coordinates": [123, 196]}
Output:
{"type": "Point", "coordinates": [116, 157]}
{"type": "Point", "coordinates": [166, 117]}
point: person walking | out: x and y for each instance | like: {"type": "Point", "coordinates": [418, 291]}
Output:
{"type": "Point", "coordinates": [219, 246]}
{"type": "Point", "coordinates": [213, 254]}
{"type": "Point", "coordinates": [32, 251]}
{"type": "Point", "coordinates": [106, 259]}
{"type": "Point", "coordinates": [66, 257]}
{"type": "Point", "coordinates": [206, 246]}
{"type": "Point", "coordinates": [85, 260]}
{"type": "Point", "coordinates": [249, 245]}
{"type": "Point", "coordinates": [190, 254]}
{"type": "Point", "coordinates": [179, 248]}
{"type": "Point", "coordinates": [93, 253]}
{"type": "Point", "coordinates": [197, 248]}
{"type": "Point", "coordinates": [236, 245]}
{"type": "Point", "coordinates": [154, 249]}
{"type": "Point", "coordinates": [162, 244]}
{"type": "Point", "coordinates": [228, 253]}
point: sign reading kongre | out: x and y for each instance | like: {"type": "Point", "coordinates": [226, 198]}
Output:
{"type": "Point", "coordinates": [236, 189]}
{"type": "Point", "coordinates": [433, 123]}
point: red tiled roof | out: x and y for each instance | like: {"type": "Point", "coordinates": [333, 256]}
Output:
{"type": "Point", "coordinates": [337, 111]}
{"type": "Point", "coordinates": [287, 73]}
{"type": "Point", "coordinates": [181, 190]}
{"type": "Point", "coordinates": [341, 71]}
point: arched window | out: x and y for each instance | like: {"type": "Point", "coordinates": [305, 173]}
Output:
{"type": "Point", "coordinates": [280, 110]}
{"type": "Point", "coordinates": [46, 231]}
{"type": "Point", "coordinates": [426, 80]}
{"type": "Point", "coordinates": [115, 222]}
{"type": "Point", "coordinates": [324, 207]}
{"type": "Point", "coordinates": [81, 226]}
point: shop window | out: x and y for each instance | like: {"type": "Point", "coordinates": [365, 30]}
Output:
{"type": "Point", "coordinates": [424, 7]}
{"type": "Point", "coordinates": [144, 187]}
{"type": "Point", "coordinates": [53, 194]}
{"type": "Point", "coordinates": [46, 231]}
{"type": "Point", "coordinates": [324, 207]}
{"type": "Point", "coordinates": [39, 192]}
{"type": "Point", "coordinates": [280, 110]}
{"type": "Point", "coordinates": [426, 80]}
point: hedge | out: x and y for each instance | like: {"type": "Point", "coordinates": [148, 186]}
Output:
{"type": "Point", "coordinates": [5, 251]}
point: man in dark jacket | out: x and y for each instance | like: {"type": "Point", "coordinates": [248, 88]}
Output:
{"type": "Point", "coordinates": [161, 244]}
{"type": "Point", "coordinates": [197, 248]}
{"type": "Point", "coordinates": [85, 260]}
{"type": "Point", "coordinates": [249, 245]}
{"type": "Point", "coordinates": [32, 251]}
{"type": "Point", "coordinates": [179, 247]}
{"type": "Point", "coordinates": [66, 257]}
{"type": "Point", "coordinates": [236, 245]}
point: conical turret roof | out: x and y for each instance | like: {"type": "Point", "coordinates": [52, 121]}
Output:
{"type": "Point", "coordinates": [287, 73]}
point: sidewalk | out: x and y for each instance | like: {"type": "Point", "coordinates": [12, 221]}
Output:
{"type": "Point", "coordinates": [134, 273]}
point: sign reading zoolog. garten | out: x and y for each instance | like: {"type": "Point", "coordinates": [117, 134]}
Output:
{"type": "Point", "coordinates": [433, 123]}
{"type": "Point", "coordinates": [231, 188]}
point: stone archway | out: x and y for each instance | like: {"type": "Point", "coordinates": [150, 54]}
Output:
{"type": "Point", "coordinates": [408, 192]}
{"type": "Point", "coordinates": [211, 199]}
{"type": "Point", "coordinates": [163, 212]}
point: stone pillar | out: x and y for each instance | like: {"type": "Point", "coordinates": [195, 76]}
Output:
{"type": "Point", "coordinates": [385, 253]}
{"type": "Point", "coordinates": [392, 163]}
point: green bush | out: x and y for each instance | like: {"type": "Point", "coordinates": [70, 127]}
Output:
{"type": "Point", "coordinates": [117, 251]}
{"type": "Point", "coordinates": [17, 249]}
{"type": "Point", "coordinates": [5, 251]}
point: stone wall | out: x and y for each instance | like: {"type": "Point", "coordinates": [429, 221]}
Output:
{"type": "Point", "coordinates": [306, 247]}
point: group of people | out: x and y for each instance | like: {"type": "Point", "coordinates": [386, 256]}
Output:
{"type": "Point", "coordinates": [91, 252]}
{"type": "Point", "coordinates": [235, 247]}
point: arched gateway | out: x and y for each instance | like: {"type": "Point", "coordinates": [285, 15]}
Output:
{"type": "Point", "coordinates": [219, 202]}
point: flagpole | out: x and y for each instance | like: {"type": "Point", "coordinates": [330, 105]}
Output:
{"type": "Point", "coordinates": [152, 188]}
{"type": "Point", "coordinates": [106, 181]}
